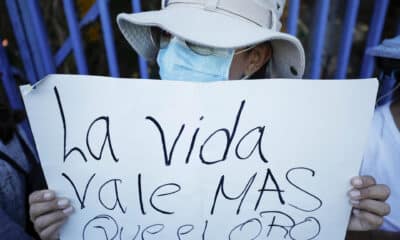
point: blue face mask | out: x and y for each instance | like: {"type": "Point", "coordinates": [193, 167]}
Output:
{"type": "Point", "coordinates": [178, 62]}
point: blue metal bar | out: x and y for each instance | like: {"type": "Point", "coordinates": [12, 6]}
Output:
{"type": "Point", "coordinates": [41, 35]}
{"type": "Point", "coordinates": [76, 38]}
{"type": "Point", "coordinates": [352, 7]}
{"type": "Point", "coordinates": [374, 35]}
{"type": "Point", "coordinates": [108, 36]}
{"type": "Point", "coordinates": [318, 37]}
{"type": "Point", "coordinates": [144, 73]}
{"type": "Point", "coordinates": [8, 81]}
{"type": "Point", "coordinates": [63, 52]}
{"type": "Point", "coordinates": [294, 9]}
{"type": "Point", "coordinates": [11, 90]}
{"type": "Point", "coordinates": [21, 40]}
{"type": "Point", "coordinates": [66, 48]}
{"type": "Point", "coordinates": [32, 41]}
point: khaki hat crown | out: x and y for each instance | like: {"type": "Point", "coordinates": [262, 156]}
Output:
{"type": "Point", "coordinates": [265, 13]}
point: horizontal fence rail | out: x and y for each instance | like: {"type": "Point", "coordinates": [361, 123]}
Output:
{"type": "Point", "coordinates": [38, 59]}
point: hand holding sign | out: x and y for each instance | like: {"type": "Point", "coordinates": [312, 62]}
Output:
{"type": "Point", "coordinates": [48, 213]}
{"type": "Point", "coordinates": [209, 161]}
{"type": "Point", "coordinates": [368, 202]}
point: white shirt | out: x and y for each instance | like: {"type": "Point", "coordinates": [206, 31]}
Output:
{"type": "Point", "coordinates": [382, 161]}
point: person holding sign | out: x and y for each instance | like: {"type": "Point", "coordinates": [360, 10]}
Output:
{"type": "Point", "coordinates": [20, 173]}
{"type": "Point", "coordinates": [383, 153]}
{"type": "Point", "coordinates": [381, 158]}
{"type": "Point", "coordinates": [207, 41]}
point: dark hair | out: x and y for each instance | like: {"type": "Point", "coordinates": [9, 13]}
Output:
{"type": "Point", "coordinates": [261, 73]}
{"type": "Point", "coordinates": [387, 66]}
{"type": "Point", "coordinates": [9, 118]}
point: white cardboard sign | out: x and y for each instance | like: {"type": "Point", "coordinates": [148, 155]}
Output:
{"type": "Point", "coordinates": [149, 159]}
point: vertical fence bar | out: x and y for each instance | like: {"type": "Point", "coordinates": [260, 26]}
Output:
{"type": "Point", "coordinates": [294, 9]}
{"type": "Point", "coordinates": [31, 37]}
{"type": "Point", "coordinates": [374, 35]}
{"type": "Point", "coordinates": [20, 37]}
{"type": "Point", "coordinates": [41, 35]}
{"type": "Point", "coordinates": [318, 37]}
{"type": "Point", "coordinates": [11, 90]}
{"type": "Point", "coordinates": [76, 38]}
{"type": "Point", "coordinates": [108, 36]}
{"type": "Point", "coordinates": [349, 23]}
{"type": "Point", "coordinates": [66, 48]}
{"type": "Point", "coordinates": [144, 73]}
{"type": "Point", "coordinates": [9, 84]}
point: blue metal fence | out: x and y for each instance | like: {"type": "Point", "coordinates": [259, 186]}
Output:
{"type": "Point", "coordinates": [38, 60]}
{"type": "Point", "coordinates": [349, 24]}
{"type": "Point", "coordinates": [318, 37]}
{"type": "Point", "coordinates": [73, 26]}
{"type": "Point", "coordinates": [9, 85]}
{"type": "Point", "coordinates": [375, 34]}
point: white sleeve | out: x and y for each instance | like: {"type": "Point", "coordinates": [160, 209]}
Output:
{"type": "Point", "coordinates": [371, 151]}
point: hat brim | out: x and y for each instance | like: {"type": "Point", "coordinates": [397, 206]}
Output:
{"type": "Point", "coordinates": [213, 29]}
{"type": "Point", "coordinates": [384, 52]}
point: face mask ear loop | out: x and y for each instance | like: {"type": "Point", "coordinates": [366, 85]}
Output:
{"type": "Point", "coordinates": [245, 77]}
{"type": "Point", "coordinates": [395, 88]}
{"type": "Point", "coordinates": [232, 55]}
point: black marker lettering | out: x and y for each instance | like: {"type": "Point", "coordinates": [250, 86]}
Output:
{"type": "Point", "coordinates": [74, 149]}
{"type": "Point", "coordinates": [241, 227]}
{"type": "Point", "coordinates": [117, 198]}
{"type": "Point", "coordinates": [80, 199]}
{"type": "Point", "coordinates": [258, 144]}
{"type": "Point", "coordinates": [312, 222]}
{"type": "Point", "coordinates": [263, 189]}
{"type": "Point", "coordinates": [152, 229]}
{"type": "Point", "coordinates": [107, 138]}
{"type": "Point", "coordinates": [140, 194]}
{"type": "Point", "coordinates": [103, 223]}
{"type": "Point", "coordinates": [136, 234]}
{"type": "Point", "coordinates": [154, 194]}
{"type": "Point", "coordinates": [184, 230]}
{"type": "Point", "coordinates": [167, 157]}
{"type": "Point", "coordinates": [193, 142]}
{"type": "Point", "coordinates": [272, 225]}
{"type": "Point", "coordinates": [319, 205]}
{"type": "Point", "coordinates": [229, 138]}
{"type": "Point", "coordinates": [203, 236]}
{"type": "Point", "coordinates": [242, 195]}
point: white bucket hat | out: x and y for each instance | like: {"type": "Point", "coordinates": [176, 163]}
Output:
{"type": "Point", "coordinates": [221, 24]}
{"type": "Point", "coordinates": [390, 48]}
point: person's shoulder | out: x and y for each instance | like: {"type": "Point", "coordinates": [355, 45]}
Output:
{"type": "Point", "coordinates": [383, 111]}
{"type": "Point", "coordinates": [377, 124]}
{"type": "Point", "coordinates": [374, 137]}
{"type": "Point", "coordinates": [379, 115]}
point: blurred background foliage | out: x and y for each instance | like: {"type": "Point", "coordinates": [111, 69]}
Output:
{"type": "Point", "coordinates": [95, 51]}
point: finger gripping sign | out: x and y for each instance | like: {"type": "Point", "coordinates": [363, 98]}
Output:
{"type": "Point", "coordinates": [265, 159]}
